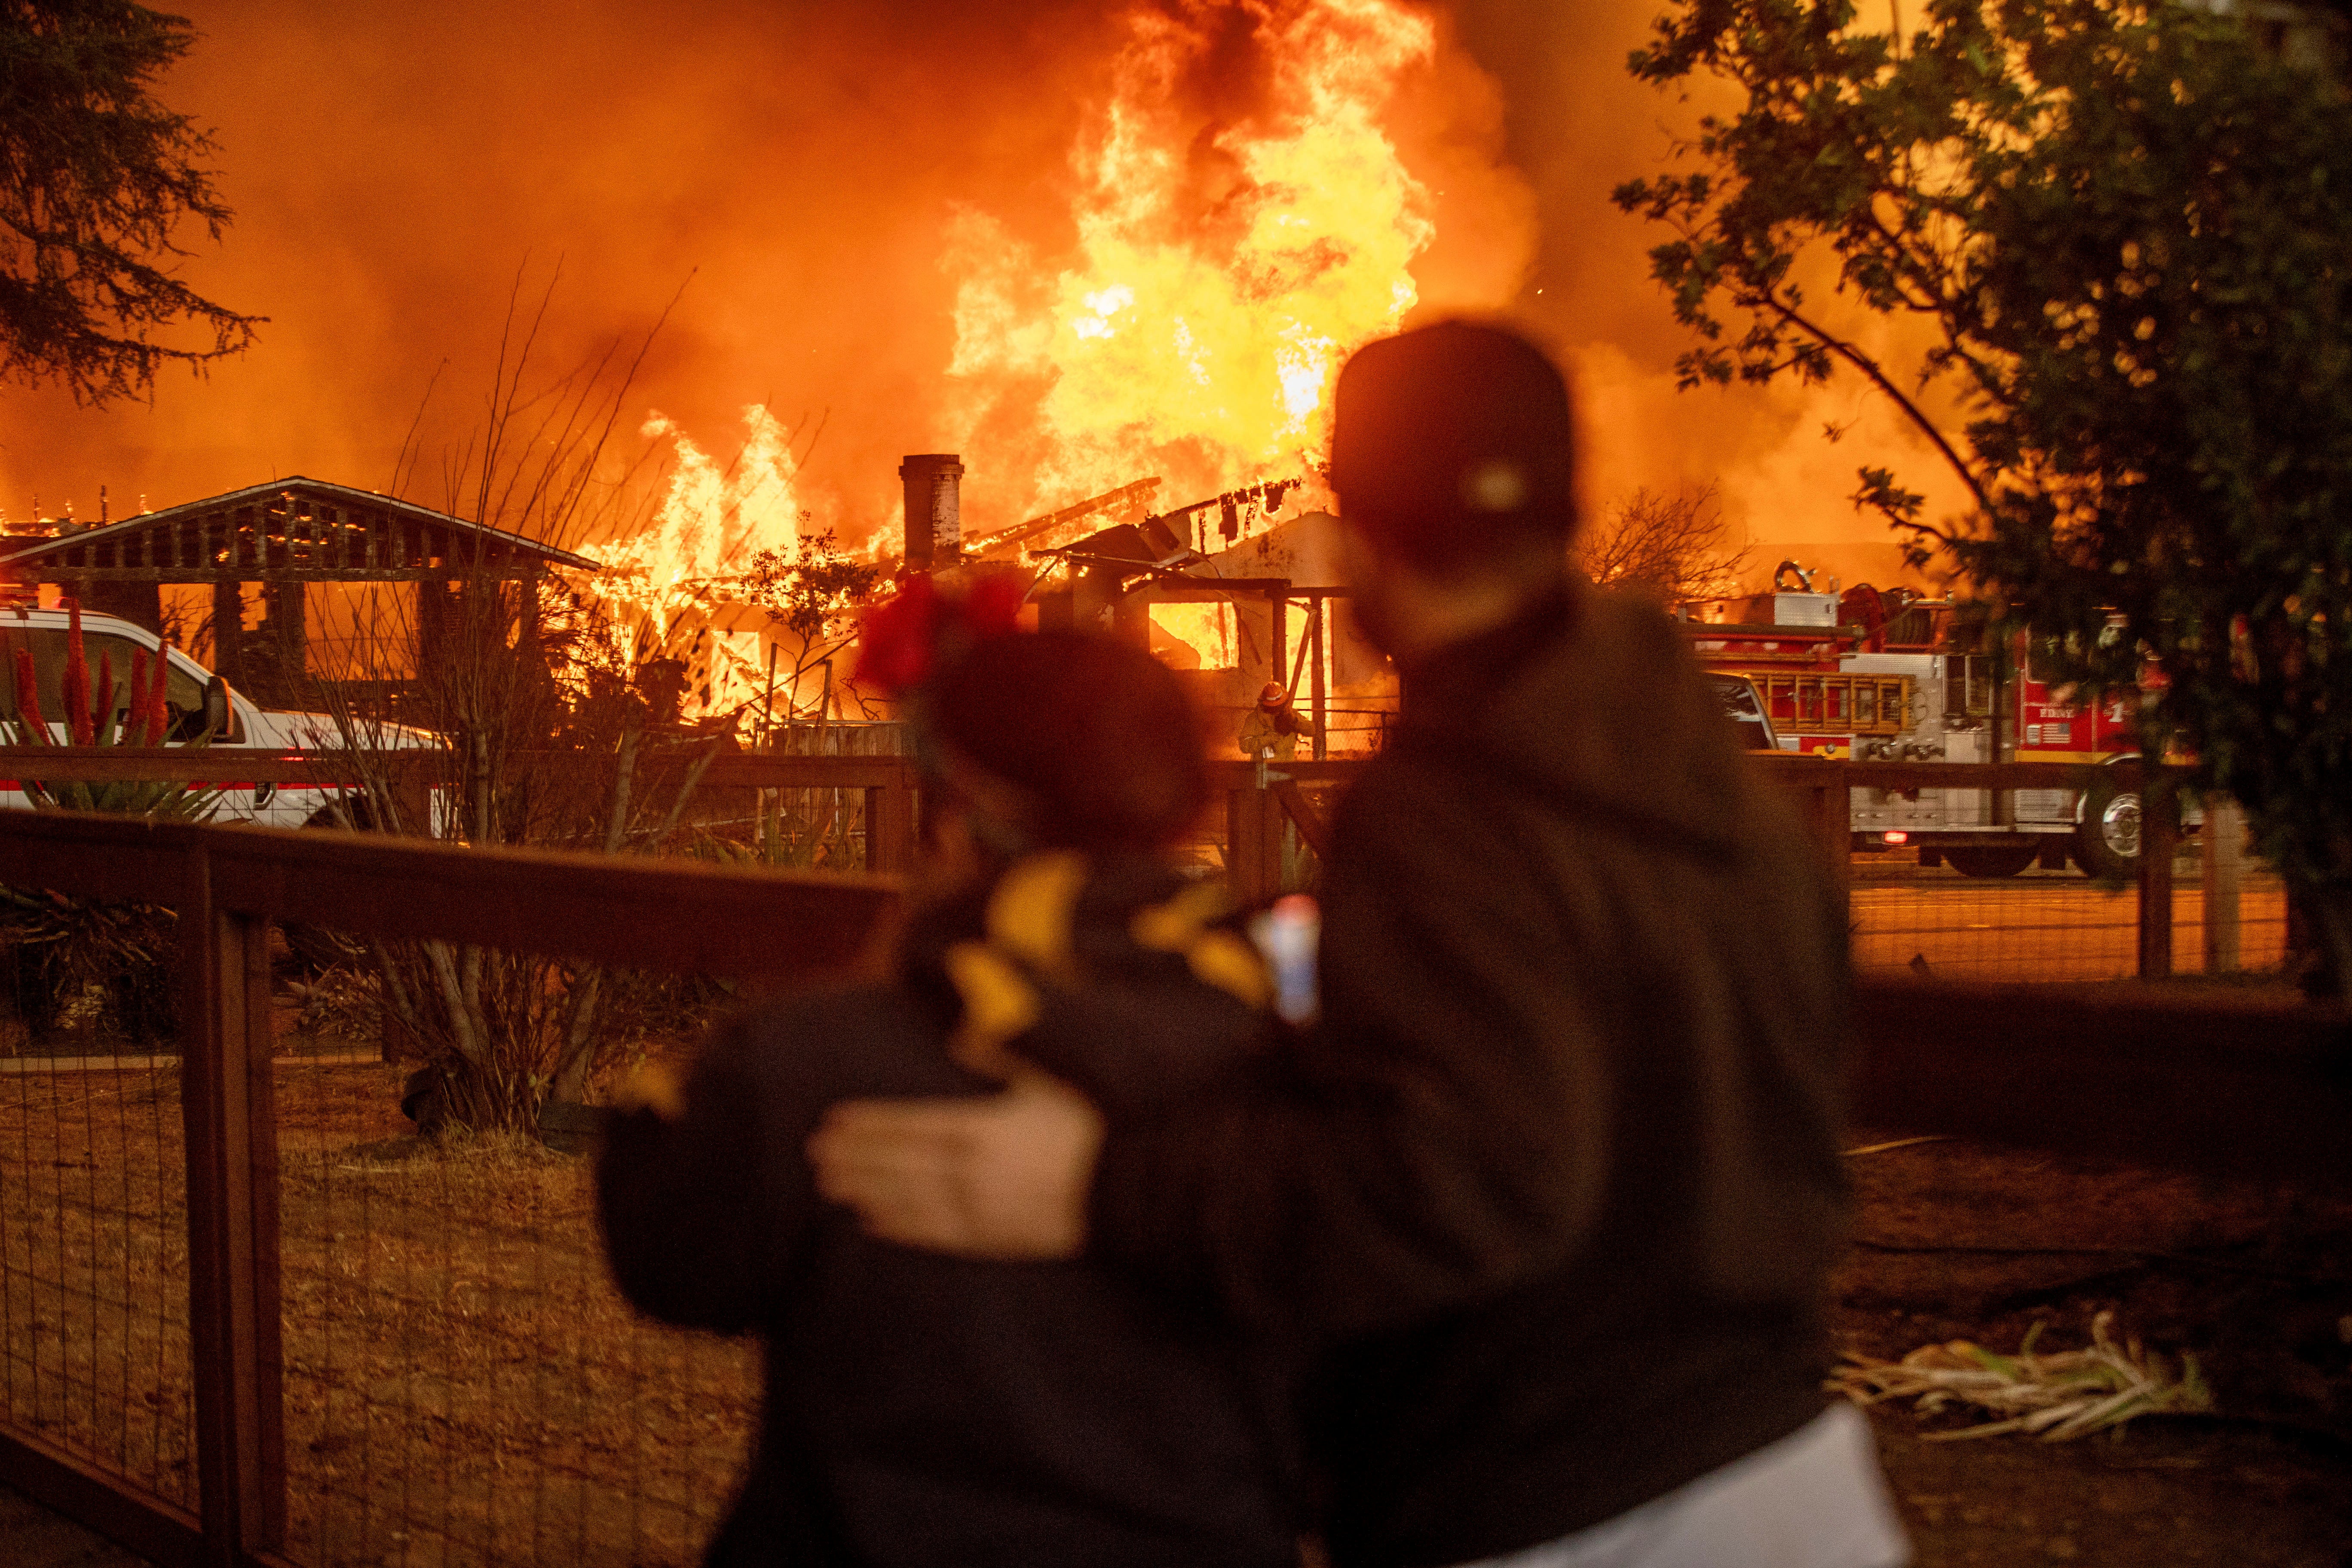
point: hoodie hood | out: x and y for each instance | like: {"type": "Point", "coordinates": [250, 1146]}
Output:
{"type": "Point", "coordinates": [1569, 697]}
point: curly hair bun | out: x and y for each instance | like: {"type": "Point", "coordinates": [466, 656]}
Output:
{"type": "Point", "coordinates": [1099, 733]}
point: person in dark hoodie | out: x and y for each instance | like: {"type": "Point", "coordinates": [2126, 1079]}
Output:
{"type": "Point", "coordinates": [923, 1410]}
{"type": "Point", "coordinates": [1555, 1183]}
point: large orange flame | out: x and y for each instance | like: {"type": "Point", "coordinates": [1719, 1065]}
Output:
{"type": "Point", "coordinates": [665, 589]}
{"type": "Point", "coordinates": [1234, 246]}
{"type": "Point", "coordinates": [1225, 265]}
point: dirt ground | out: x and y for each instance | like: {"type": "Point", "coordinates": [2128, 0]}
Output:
{"type": "Point", "coordinates": [1958, 1241]}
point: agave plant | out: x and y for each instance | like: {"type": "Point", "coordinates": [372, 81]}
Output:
{"type": "Point", "coordinates": [143, 723]}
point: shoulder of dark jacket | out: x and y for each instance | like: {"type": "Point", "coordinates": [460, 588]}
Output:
{"type": "Point", "coordinates": [1598, 710]}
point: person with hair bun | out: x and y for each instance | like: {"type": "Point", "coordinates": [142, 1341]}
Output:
{"type": "Point", "coordinates": [922, 1409]}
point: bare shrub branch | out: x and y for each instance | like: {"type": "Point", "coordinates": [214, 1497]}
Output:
{"type": "Point", "coordinates": [1671, 547]}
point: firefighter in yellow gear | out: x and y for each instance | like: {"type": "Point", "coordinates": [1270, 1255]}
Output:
{"type": "Point", "coordinates": [1272, 727]}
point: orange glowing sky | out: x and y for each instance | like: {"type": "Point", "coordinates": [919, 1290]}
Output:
{"type": "Point", "coordinates": [394, 169]}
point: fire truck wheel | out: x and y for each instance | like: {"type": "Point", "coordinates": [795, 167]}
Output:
{"type": "Point", "coordinates": [1973, 860]}
{"type": "Point", "coordinates": [2107, 839]}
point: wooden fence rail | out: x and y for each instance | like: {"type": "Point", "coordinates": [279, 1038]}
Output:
{"type": "Point", "coordinates": [890, 785]}
{"type": "Point", "coordinates": [1262, 801]}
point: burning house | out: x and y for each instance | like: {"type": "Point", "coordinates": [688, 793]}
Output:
{"type": "Point", "coordinates": [275, 585]}
{"type": "Point", "coordinates": [1218, 590]}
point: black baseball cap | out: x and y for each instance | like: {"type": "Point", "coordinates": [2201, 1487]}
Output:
{"type": "Point", "coordinates": [1455, 442]}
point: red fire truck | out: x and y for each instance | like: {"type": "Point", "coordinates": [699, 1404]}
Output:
{"type": "Point", "coordinates": [1895, 676]}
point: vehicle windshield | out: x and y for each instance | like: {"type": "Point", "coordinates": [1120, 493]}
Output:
{"type": "Point", "coordinates": [1737, 698]}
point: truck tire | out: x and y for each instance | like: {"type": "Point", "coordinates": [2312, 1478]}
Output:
{"type": "Point", "coordinates": [1989, 860]}
{"type": "Point", "coordinates": [2107, 838]}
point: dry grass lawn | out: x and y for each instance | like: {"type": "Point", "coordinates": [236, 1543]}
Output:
{"type": "Point", "coordinates": [462, 1382]}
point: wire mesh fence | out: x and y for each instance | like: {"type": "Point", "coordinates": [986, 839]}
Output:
{"type": "Point", "coordinates": [462, 1384]}
{"type": "Point", "coordinates": [94, 1356]}
{"type": "Point", "coordinates": [2052, 925]}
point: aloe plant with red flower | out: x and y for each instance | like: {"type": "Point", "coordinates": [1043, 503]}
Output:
{"type": "Point", "coordinates": [93, 717]}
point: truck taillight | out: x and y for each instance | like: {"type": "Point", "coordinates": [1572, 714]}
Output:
{"type": "Point", "coordinates": [1897, 836]}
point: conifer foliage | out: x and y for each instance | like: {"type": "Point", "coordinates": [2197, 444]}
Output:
{"type": "Point", "coordinates": [98, 183]}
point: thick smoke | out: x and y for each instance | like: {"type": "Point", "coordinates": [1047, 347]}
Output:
{"type": "Point", "coordinates": [395, 170]}
{"type": "Point", "coordinates": [1579, 124]}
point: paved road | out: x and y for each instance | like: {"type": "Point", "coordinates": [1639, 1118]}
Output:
{"type": "Point", "coordinates": [2041, 925]}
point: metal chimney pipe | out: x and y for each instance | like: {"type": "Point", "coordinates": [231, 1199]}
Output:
{"type": "Point", "coordinates": [934, 520]}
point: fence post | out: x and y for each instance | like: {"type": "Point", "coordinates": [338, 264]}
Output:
{"type": "Point", "coordinates": [1310, 823]}
{"type": "Point", "coordinates": [2224, 846]}
{"type": "Point", "coordinates": [228, 1093]}
{"type": "Point", "coordinates": [890, 824]}
{"type": "Point", "coordinates": [1253, 844]}
{"type": "Point", "coordinates": [412, 792]}
{"type": "Point", "coordinates": [1825, 799]}
{"type": "Point", "coordinates": [2159, 832]}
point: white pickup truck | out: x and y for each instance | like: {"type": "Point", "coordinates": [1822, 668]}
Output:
{"type": "Point", "coordinates": [196, 699]}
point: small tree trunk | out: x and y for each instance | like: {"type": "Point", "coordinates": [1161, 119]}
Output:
{"type": "Point", "coordinates": [453, 996]}
{"type": "Point", "coordinates": [568, 1085]}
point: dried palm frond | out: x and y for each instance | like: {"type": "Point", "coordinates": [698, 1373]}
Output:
{"type": "Point", "coordinates": [2056, 1396]}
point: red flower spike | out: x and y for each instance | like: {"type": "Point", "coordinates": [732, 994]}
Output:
{"type": "Point", "coordinates": [158, 715]}
{"type": "Point", "coordinates": [102, 706]}
{"type": "Point", "coordinates": [134, 723]}
{"type": "Point", "coordinates": [79, 729]}
{"type": "Point", "coordinates": [28, 700]}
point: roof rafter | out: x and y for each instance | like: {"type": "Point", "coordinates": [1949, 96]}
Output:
{"type": "Point", "coordinates": [344, 535]}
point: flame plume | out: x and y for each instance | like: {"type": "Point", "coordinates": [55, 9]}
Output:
{"type": "Point", "coordinates": [1243, 221]}
{"type": "Point", "coordinates": [662, 588]}
{"type": "Point", "coordinates": [1228, 256]}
